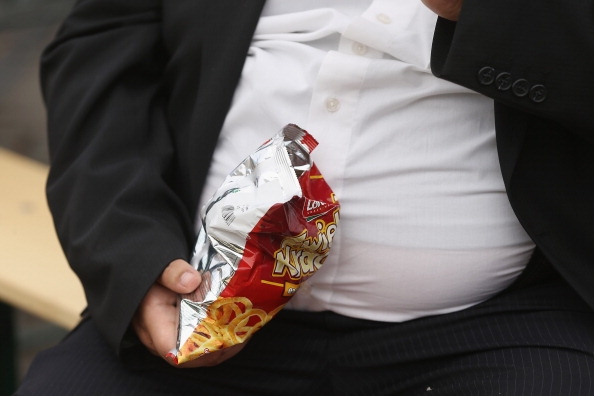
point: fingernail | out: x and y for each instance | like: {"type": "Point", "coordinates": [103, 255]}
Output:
{"type": "Point", "coordinates": [172, 356]}
{"type": "Point", "coordinates": [186, 279]}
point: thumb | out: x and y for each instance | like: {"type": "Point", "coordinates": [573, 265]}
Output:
{"type": "Point", "coordinates": [180, 277]}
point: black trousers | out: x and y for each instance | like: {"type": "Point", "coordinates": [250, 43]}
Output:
{"type": "Point", "coordinates": [535, 338]}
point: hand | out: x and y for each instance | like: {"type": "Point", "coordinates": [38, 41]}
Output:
{"type": "Point", "coordinates": [156, 319]}
{"type": "Point", "coordinates": [448, 9]}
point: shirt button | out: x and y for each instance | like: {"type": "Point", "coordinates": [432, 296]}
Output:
{"type": "Point", "coordinates": [383, 18]}
{"type": "Point", "coordinates": [359, 49]}
{"type": "Point", "coordinates": [332, 105]}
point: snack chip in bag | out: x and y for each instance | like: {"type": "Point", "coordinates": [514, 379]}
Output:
{"type": "Point", "coordinates": [267, 229]}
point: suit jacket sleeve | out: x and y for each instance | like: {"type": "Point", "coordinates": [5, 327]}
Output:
{"type": "Point", "coordinates": [532, 55]}
{"type": "Point", "coordinates": [534, 58]}
{"type": "Point", "coordinates": [119, 220]}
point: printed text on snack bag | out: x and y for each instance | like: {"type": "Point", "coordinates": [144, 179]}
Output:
{"type": "Point", "coordinates": [302, 255]}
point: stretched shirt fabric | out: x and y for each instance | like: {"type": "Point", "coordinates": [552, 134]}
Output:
{"type": "Point", "coordinates": [426, 227]}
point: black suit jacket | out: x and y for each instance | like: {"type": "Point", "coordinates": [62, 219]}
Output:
{"type": "Point", "coordinates": [137, 91]}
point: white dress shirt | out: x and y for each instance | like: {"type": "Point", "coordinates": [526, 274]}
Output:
{"type": "Point", "coordinates": [426, 227]}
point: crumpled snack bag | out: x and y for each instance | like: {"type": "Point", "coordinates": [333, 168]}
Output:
{"type": "Point", "coordinates": [268, 228]}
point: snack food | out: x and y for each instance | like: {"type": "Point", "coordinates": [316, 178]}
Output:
{"type": "Point", "coordinates": [268, 228]}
